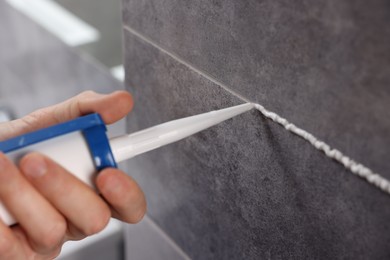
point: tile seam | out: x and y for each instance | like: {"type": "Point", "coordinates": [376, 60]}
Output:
{"type": "Point", "coordinates": [185, 63]}
{"type": "Point", "coordinates": [354, 167]}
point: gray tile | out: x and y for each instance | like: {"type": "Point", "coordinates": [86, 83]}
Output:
{"type": "Point", "coordinates": [245, 189]}
{"type": "Point", "coordinates": [323, 65]}
{"type": "Point", "coordinates": [37, 69]}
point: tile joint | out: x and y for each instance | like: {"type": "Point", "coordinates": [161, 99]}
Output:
{"type": "Point", "coordinates": [187, 64]}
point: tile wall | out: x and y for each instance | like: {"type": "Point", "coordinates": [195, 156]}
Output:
{"type": "Point", "coordinates": [248, 189]}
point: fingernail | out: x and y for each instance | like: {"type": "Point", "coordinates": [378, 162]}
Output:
{"type": "Point", "coordinates": [35, 167]}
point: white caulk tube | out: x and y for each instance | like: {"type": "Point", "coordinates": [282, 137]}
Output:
{"type": "Point", "coordinates": [81, 145]}
{"type": "Point", "coordinates": [128, 146]}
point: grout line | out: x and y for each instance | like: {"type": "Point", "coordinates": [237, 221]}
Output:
{"type": "Point", "coordinates": [176, 57]}
{"type": "Point", "coordinates": [354, 167]}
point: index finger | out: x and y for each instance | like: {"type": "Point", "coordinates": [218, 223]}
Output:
{"type": "Point", "coordinates": [111, 107]}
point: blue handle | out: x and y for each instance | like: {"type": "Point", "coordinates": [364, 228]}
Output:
{"type": "Point", "coordinates": [92, 127]}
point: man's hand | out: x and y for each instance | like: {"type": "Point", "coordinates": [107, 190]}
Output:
{"type": "Point", "coordinates": [52, 206]}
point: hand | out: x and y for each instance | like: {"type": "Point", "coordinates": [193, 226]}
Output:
{"type": "Point", "coordinates": [52, 206]}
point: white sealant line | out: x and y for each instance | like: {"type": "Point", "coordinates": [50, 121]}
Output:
{"type": "Point", "coordinates": [57, 20]}
{"type": "Point", "coordinates": [353, 166]}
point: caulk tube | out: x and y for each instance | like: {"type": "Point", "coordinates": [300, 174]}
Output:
{"type": "Point", "coordinates": [80, 146]}
{"type": "Point", "coordinates": [127, 146]}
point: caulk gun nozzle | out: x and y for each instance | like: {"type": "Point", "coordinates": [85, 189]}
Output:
{"type": "Point", "coordinates": [128, 146]}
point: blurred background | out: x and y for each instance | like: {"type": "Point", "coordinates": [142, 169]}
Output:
{"type": "Point", "coordinates": [90, 26]}
{"type": "Point", "coordinates": [53, 50]}
{"type": "Point", "coordinates": [105, 17]}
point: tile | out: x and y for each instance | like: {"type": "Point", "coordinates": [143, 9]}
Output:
{"type": "Point", "coordinates": [324, 66]}
{"type": "Point", "coordinates": [37, 69]}
{"type": "Point", "coordinates": [145, 241]}
{"type": "Point", "coordinates": [245, 189]}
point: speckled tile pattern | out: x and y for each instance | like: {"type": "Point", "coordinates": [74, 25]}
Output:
{"type": "Point", "coordinates": [37, 69]}
{"type": "Point", "coordinates": [247, 188]}
{"type": "Point", "coordinates": [323, 65]}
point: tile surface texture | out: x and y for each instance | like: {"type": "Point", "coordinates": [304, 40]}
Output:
{"type": "Point", "coordinates": [324, 66]}
{"type": "Point", "coordinates": [247, 188]}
